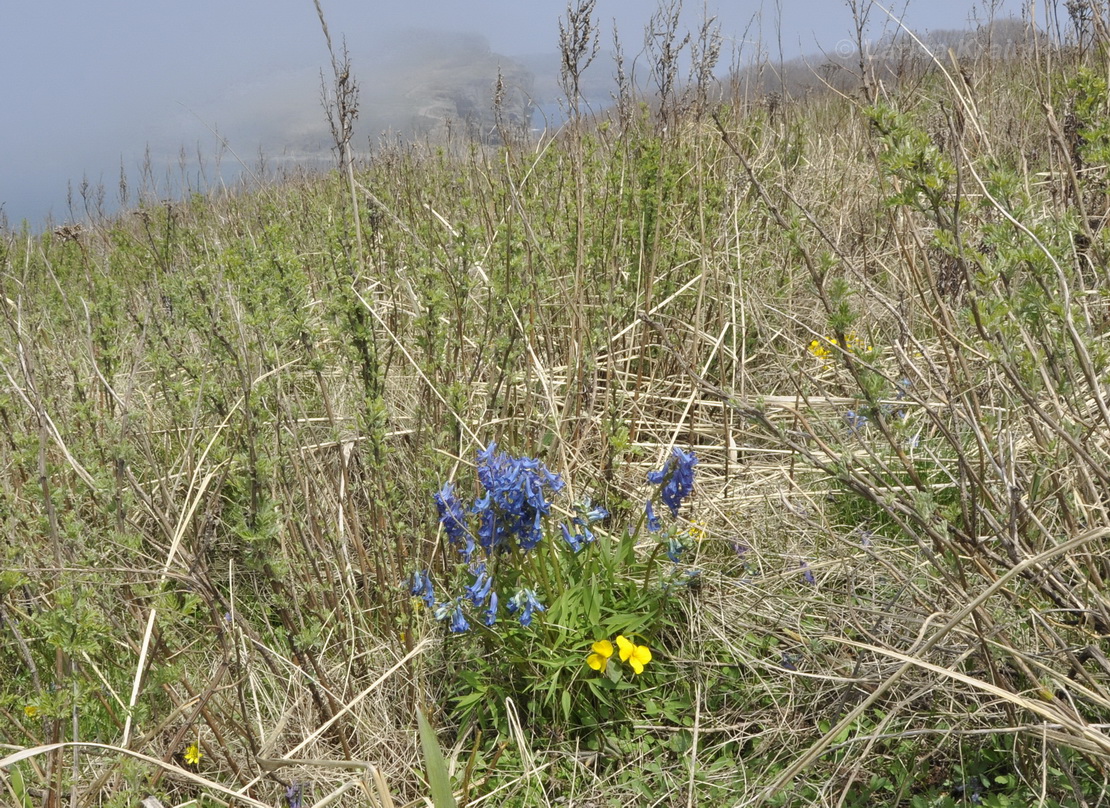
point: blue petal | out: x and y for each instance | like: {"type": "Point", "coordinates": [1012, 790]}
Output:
{"type": "Point", "coordinates": [653, 523]}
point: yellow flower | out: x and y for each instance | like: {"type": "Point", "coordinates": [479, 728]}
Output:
{"type": "Point", "coordinates": [602, 650]}
{"type": "Point", "coordinates": [697, 531]}
{"type": "Point", "coordinates": [820, 349]}
{"type": "Point", "coordinates": [635, 655]}
{"type": "Point", "coordinates": [193, 755]}
{"type": "Point", "coordinates": [824, 347]}
{"type": "Point", "coordinates": [30, 710]}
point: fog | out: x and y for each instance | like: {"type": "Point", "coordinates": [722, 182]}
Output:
{"type": "Point", "coordinates": [190, 95]}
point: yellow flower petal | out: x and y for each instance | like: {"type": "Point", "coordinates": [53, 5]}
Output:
{"type": "Point", "coordinates": [603, 648]}
{"type": "Point", "coordinates": [193, 755]}
{"type": "Point", "coordinates": [596, 661]}
{"type": "Point", "coordinates": [635, 655]}
{"type": "Point", "coordinates": [639, 656]}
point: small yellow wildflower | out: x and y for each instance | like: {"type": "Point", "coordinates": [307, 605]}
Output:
{"type": "Point", "coordinates": [820, 349]}
{"type": "Point", "coordinates": [635, 655]}
{"type": "Point", "coordinates": [193, 755]}
{"type": "Point", "coordinates": [697, 531]}
{"type": "Point", "coordinates": [825, 347]}
{"type": "Point", "coordinates": [30, 710]}
{"type": "Point", "coordinates": [602, 650]}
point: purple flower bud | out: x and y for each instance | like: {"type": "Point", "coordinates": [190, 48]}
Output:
{"type": "Point", "coordinates": [294, 795]}
{"type": "Point", "coordinates": [807, 574]}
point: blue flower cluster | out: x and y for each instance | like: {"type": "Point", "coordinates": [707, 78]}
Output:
{"type": "Point", "coordinates": [525, 602]}
{"type": "Point", "coordinates": [676, 478]}
{"type": "Point", "coordinates": [514, 503]}
{"type": "Point", "coordinates": [675, 481]}
{"type": "Point", "coordinates": [509, 515]}
{"type": "Point", "coordinates": [422, 588]}
{"type": "Point", "coordinates": [481, 594]}
{"type": "Point", "coordinates": [586, 515]}
{"type": "Point", "coordinates": [453, 609]}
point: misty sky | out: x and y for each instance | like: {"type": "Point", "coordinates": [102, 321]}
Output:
{"type": "Point", "coordinates": [90, 85]}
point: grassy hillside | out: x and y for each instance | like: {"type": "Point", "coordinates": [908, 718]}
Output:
{"type": "Point", "coordinates": [233, 573]}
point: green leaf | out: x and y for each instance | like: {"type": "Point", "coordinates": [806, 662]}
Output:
{"type": "Point", "coordinates": [19, 788]}
{"type": "Point", "coordinates": [439, 780]}
{"type": "Point", "coordinates": [470, 699]}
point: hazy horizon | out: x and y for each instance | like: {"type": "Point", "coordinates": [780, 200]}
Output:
{"type": "Point", "coordinates": [104, 84]}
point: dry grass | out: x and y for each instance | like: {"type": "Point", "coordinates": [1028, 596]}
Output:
{"type": "Point", "coordinates": [224, 422]}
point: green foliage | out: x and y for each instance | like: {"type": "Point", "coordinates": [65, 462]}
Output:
{"type": "Point", "coordinates": [910, 156]}
{"type": "Point", "coordinates": [1092, 125]}
{"type": "Point", "coordinates": [439, 778]}
{"type": "Point", "coordinates": [18, 790]}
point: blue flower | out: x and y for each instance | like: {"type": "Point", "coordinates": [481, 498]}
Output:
{"type": "Point", "coordinates": [675, 549]}
{"type": "Point", "coordinates": [525, 602]}
{"type": "Point", "coordinates": [529, 531]}
{"type": "Point", "coordinates": [579, 539]}
{"type": "Point", "coordinates": [653, 523]}
{"type": "Point", "coordinates": [452, 515]}
{"type": "Point", "coordinates": [422, 588]}
{"type": "Point", "coordinates": [856, 422]}
{"type": "Point", "coordinates": [453, 609]}
{"type": "Point", "coordinates": [458, 621]}
{"type": "Point", "coordinates": [491, 610]}
{"type": "Point", "coordinates": [902, 389]}
{"type": "Point", "coordinates": [480, 589]}
{"type": "Point", "coordinates": [573, 540]}
{"type": "Point", "coordinates": [588, 513]}
{"type": "Point", "coordinates": [676, 478]}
